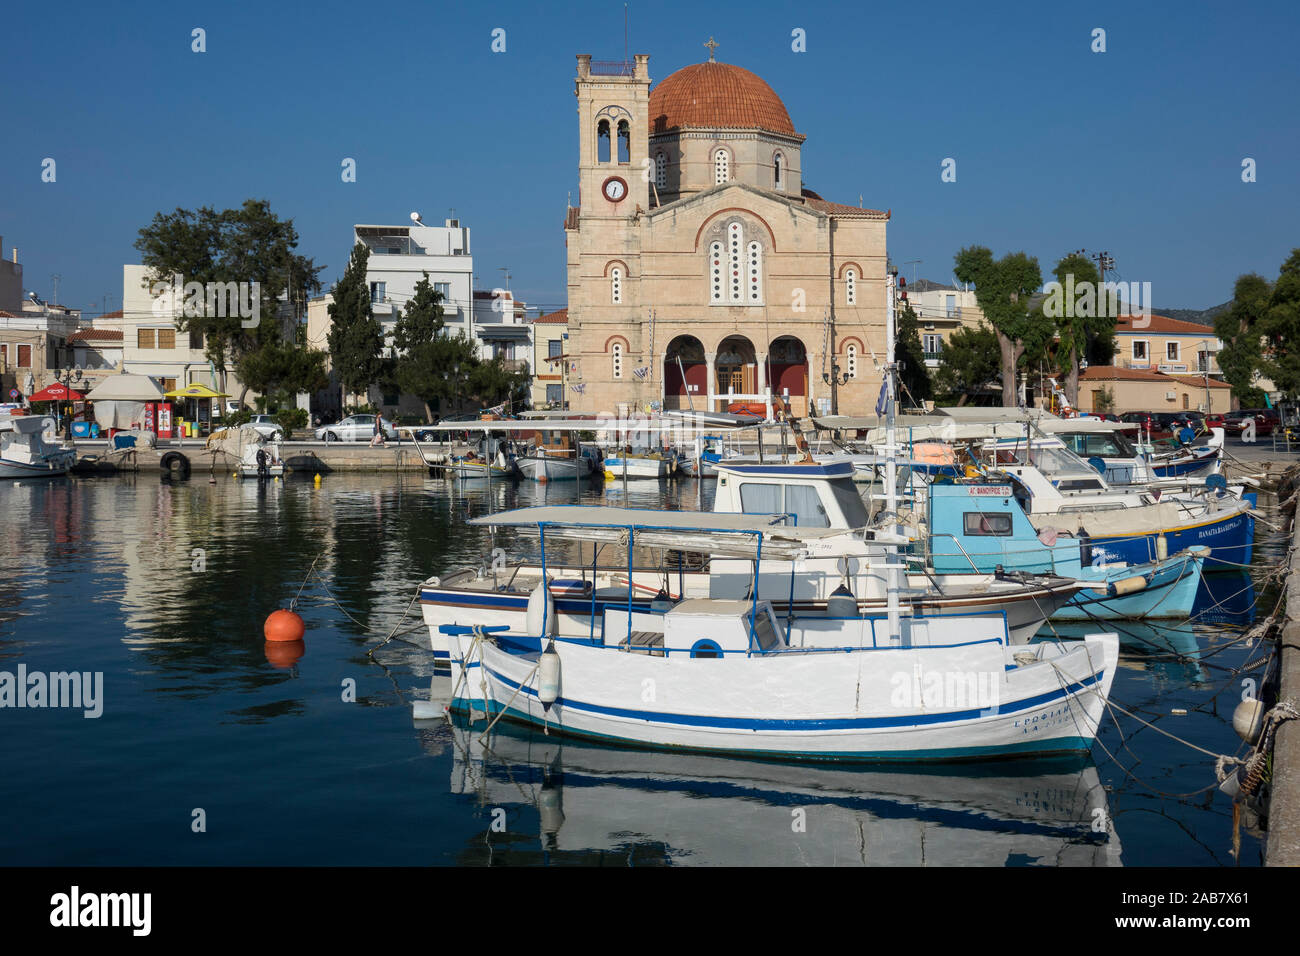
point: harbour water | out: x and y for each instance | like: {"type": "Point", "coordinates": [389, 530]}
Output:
{"type": "Point", "coordinates": [209, 751]}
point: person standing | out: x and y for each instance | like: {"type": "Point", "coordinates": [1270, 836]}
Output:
{"type": "Point", "coordinates": [379, 438]}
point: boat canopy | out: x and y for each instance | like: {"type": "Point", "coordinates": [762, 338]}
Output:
{"type": "Point", "coordinates": [727, 535]}
{"type": "Point", "coordinates": [1058, 425]}
{"type": "Point", "coordinates": [619, 425]}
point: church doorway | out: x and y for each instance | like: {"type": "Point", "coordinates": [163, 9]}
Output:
{"type": "Point", "coordinates": [736, 369]}
{"type": "Point", "coordinates": [686, 376]}
{"type": "Point", "coordinates": [788, 372]}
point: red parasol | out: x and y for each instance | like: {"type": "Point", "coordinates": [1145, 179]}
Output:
{"type": "Point", "coordinates": [55, 393]}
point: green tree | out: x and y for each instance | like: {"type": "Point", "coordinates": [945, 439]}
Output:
{"type": "Point", "coordinates": [491, 383]}
{"type": "Point", "coordinates": [356, 339]}
{"type": "Point", "coordinates": [1003, 289]}
{"type": "Point", "coordinates": [915, 376]}
{"type": "Point", "coordinates": [437, 370]}
{"type": "Point", "coordinates": [245, 245]}
{"type": "Point", "coordinates": [422, 319]}
{"type": "Point", "coordinates": [1240, 329]}
{"type": "Point", "coordinates": [1280, 328]}
{"type": "Point", "coordinates": [423, 362]}
{"type": "Point", "coordinates": [971, 363]}
{"type": "Point", "coordinates": [1076, 320]}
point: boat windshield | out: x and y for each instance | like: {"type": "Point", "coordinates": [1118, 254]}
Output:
{"type": "Point", "coordinates": [1055, 461]}
{"type": "Point", "coordinates": [804, 502]}
{"type": "Point", "coordinates": [1099, 444]}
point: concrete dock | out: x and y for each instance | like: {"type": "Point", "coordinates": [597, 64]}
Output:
{"type": "Point", "coordinates": [1283, 848]}
{"type": "Point", "coordinates": [95, 457]}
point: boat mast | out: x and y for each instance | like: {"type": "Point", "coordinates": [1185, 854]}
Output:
{"type": "Point", "coordinates": [891, 461]}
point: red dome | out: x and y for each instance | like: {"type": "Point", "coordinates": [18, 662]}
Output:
{"type": "Point", "coordinates": [717, 95]}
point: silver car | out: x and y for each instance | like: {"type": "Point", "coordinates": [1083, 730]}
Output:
{"type": "Point", "coordinates": [267, 427]}
{"type": "Point", "coordinates": [354, 428]}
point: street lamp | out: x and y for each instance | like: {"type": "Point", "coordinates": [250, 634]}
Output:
{"type": "Point", "coordinates": [66, 377]}
{"type": "Point", "coordinates": [835, 378]}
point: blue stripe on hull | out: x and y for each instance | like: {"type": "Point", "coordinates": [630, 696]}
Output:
{"type": "Point", "coordinates": [815, 724]}
{"type": "Point", "coordinates": [1044, 748]}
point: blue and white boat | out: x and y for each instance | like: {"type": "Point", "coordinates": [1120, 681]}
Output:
{"type": "Point", "coordinates": [981, 526]}
{"type": "Point", "coordinates": [736, 677]}
{"type": "Point", "coordinates": [28, 448]}
{"type": "Point", "coordinates": [1062, 493]}
{"type": "Point", "coordinates": [850, 569]}
{"type": "Point", "coordinates": [1128, 462]}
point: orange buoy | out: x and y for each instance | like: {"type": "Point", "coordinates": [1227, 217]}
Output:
{"type": "Point", "coordinates": [284, 625]}
{"type": "Point", "coordinates": [284, 654]}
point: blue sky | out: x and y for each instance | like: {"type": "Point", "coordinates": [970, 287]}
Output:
{"type": "Point", "coordinates": [1137, 150]}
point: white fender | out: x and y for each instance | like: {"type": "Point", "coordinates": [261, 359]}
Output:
{"type": "Point", "coordinates": [548, 677]}
{"type": "Point", "coordinates": [541, 611]}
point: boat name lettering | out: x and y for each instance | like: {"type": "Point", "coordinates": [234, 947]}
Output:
{"type": "Point", "coordinates": [992, 491]}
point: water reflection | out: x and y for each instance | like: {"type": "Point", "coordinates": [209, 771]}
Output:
{"type": "Point", "coordinates": [583, 803]}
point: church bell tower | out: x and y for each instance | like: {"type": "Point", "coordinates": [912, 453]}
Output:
{"type": "Point", "coordinates": [613, 137]}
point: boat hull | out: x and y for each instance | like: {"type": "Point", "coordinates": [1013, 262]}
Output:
{"type": "Point", "coordinates": [857, 705]}
{"type": "Point", "coordinates": [546, 468]}
{"type": "Point", "coordinates": [54, 468]}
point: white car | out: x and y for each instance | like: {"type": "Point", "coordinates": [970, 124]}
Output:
{"type": "Point", "coordinates": [354, 428]}
{"type": "Point", "coordinates": [267, 427]}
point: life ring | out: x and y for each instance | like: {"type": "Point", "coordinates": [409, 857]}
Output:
{"type": "Point", "coordinates": [175, 463]}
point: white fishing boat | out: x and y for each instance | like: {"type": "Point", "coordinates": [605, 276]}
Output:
{"type": "Point", "coordinates": [29, 448]}
{"type": "Point", "coordinates": [255, 455]}
{"type": "Point", "coordinates": [732, 676]}
{"type": "Point", "coordinates": [643, 465]}
{"type": "Point", "coordinates": [849, 575]}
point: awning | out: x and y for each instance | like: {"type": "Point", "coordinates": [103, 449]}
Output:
{"type": "Point", "coordinates": [195, 390]}
{"type": "Point", "coordinates": [126, 388]}
{"type": "Point", "coordinates": [502, 331]}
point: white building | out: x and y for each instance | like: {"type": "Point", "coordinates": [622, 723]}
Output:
{"type": "Point", "coordinates": [151, 343]}
{"type": "Point", "coordinates": [501, 329]}
{"type": "Point", "coordinates": [399, 258]}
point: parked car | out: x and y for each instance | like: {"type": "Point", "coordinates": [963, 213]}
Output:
{"type": "Point", "coordinates": [354, 428]}
{"type": "Point", "coordinates": [267, 427]}
{"type": "Point", "coordinates": [1266, 420]}
{"type": "Point", "coordinates": [1215, 421]}
{"type": "Point", "coordinates": [1166, 424]}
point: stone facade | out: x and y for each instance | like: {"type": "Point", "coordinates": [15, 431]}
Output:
{"type": "Point", "coordinates": [716, 284]}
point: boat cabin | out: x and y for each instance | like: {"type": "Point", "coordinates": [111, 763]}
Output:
{"type": "Point", "coordinates": [819, 495]}
{"type": "Point", "coordinates": [977, 526]}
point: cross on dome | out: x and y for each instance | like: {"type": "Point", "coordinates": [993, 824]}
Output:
{"type": "Point", "coordinates": [712, 45]}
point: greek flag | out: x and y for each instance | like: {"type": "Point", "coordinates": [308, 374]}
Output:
{"type": "Point", "coordinates": [883, 401]}
{"type": "Point", "coordinates": [641, 372]}
{"type": "Point", "coordinates": [579, 388]}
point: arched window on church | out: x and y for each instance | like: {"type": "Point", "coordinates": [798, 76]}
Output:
{"type": "Point", "coordinates": [602, 141]}
{"type": "Point", "coordinates": [617, 352]}
{"type": "Point", "coordinates": [721, 167]}
{"type": "Point", "coordinates": [624, 142]}
{"type": "Point", "coordinates": [616, 284]}
{"type": "Point", "coordinates": [852, 359]}
{"type": "Point", "coordinates": [778, 171]}
{"type": "Point", "coordinates": [851, 287]}
{"type": "Point", "coordinates": [755, 288]}
{"type": "Point", "coordinates": [716, 293]}
{"type": "Point", "coordinates": [661, 170]}
{"type": "Point", "coordinates": [735, 244]}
